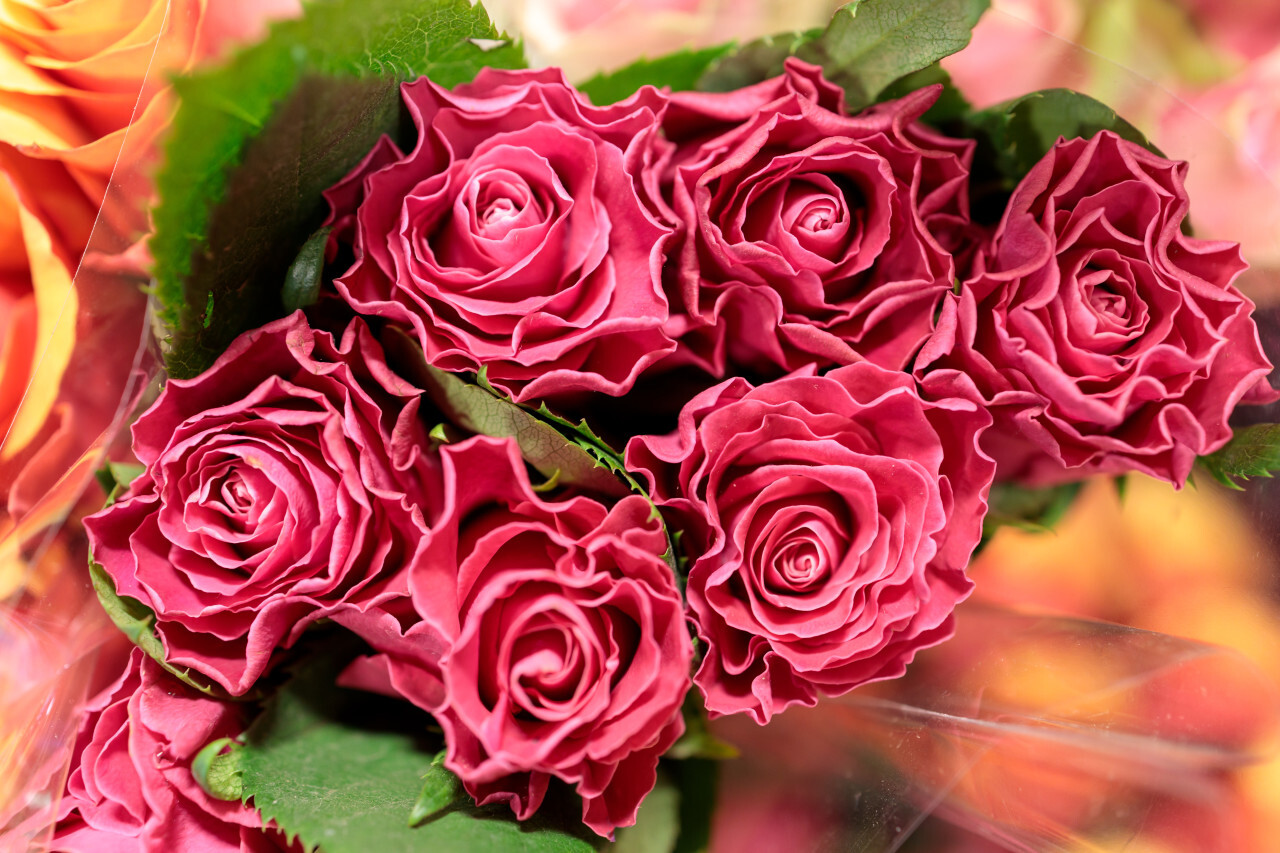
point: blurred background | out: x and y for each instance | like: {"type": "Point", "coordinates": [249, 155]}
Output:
{"type": "Point", "coordinates": [83, 99]}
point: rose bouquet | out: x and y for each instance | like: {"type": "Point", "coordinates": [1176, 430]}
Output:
{"type": "Point", "coordinates": [514, 430]}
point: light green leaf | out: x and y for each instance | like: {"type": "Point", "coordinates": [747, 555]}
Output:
{"type": "Point", "coordinates": [678, 71]}
{"type": "Point", "coordinates": [216, 769]}
{"type": "Point", "coordinates": [658, 823]}
{"type": "Point", "coordinates": [1253, 451]}
{"type": "Point", "coordinates": [867, 46]}
{"type": "Point", "coordinates": [1035, 510]}
{"type": "Point", "coordinates": [342, 770]}
{"type": "Point", "coordinates": [754, 61]}
{"type": "Point", "coordinates": [256, 141]}
{"type": "Point", "coordinates": [440, 790]}
{"type": "Point", "coordinates": [137, 621]}
{"type": "Point", "coordinates": [871, 43]}
{"type": "Point", "coordinates": [115, 477]}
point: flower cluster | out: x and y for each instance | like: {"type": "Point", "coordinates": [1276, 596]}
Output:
{"type": "Point", "coordinates": [865, 359]}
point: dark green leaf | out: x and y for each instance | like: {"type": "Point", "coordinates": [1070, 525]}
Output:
{"type": "Point", "coordinates": [678, 71]}
{"type": "Point", "coordinates": [256, 141]}
{"type": "Point", "coordinates": [137, 621]}
{"type": "Point", "coordinates": [216, 768]}
{"type": "Point", "coordinates": [440, 790]}
{"type": "Point", "coordinates": [697, 781]}
{"type": "Point", "coordinates": [1015, 135]}
{"type": "Point", "coordinates": [302, 281]}
{"type": "Point", "coordinates": [479, 410]}
{"type": "Point", "coordinates": [1253, 451]}
{"type": "Point", "coordinates": [754, 61]}
{"type": "Point", "coordinates": [697, 740]}
{"type": "Point", "coordinates": [868, 45]}
{"type": "Point", "coordinates": [951, 106]}
{"type": "Point", "coordinates": [342, 770]}
{"type": "Point", "coordinates": [1010, 505]}
{"type": "Point", "coordinates": [871, 43]}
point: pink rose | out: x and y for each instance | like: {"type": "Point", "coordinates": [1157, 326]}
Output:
{"type": "Point", "coordinates": [830, 520]}
{"type": "Point", "coordinates": [1105, 339]}
{"type": "Point", "coordinates": [514, 236]}
{"type": "Point", "coordinates": [552, 640]}
{"type": "Point", "coordinates": [289, 480]}
{"type": "Point", "coordinates": [131, 787]}
{"type": "Point", "coordinates": [810, 235]}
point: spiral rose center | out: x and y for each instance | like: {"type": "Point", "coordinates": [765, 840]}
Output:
{"type": "Point", "coordinates": [235, 494]}
{"type": "Point", "coordinates": [548, 669]}
{"type": "Point", "coordinates": [819, 215]}
{"type": "Point", "coordinates": [503, 203]}
{"type": "Point", "coordinates": [1107, 302]}
{"type": "Point", "coordinates": [801, 564]}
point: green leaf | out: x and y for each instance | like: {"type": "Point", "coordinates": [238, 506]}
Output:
{"type": "Point", "coordinates": [115, 477]}
{"type": "Point", "coordinates": [868, 45]}
{"type": "Point", "coordinates": [698, 742]}
{"type": "Point", "coordinates": [440, 790]}
{"type": "Point", "coordinates": [302, 281]}
{"type": "Point", "coordinates": [951, 105]}
{"type": "Point", "coordinates": [697, 780]}
{"type": "Point", "coordinates": [658, 823]}
{"type": "Point", "coordinates": [1252, 452]}
{"type": "Point", "coordinates": [871, 43]}
{"type": "Point", "coordinates": [479, 410]}
{"type": "Point", "coordinates": [137, 621]}
{"type": "Point", "coordinates": [342, 770]}
{"type": "Point", "coordinates": [256, 141]}
{"type": "Point", "coordinates": [754, 61]}
{"type": "Point", "coordinates": [1015, 135]}
{"type": "Point", "coordinates": [678, 71]}
{"type": "Point", "coordinates": [1036, 510]}
{"type": "Point", "coordinates": [216, 769]}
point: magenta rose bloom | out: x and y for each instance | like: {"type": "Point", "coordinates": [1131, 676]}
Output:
{"type": "Point", "coordinates": [515, 235]}
{"type": "Point", "coordinates": [131, 787]}
{"type": "Point", "coordinates": [829, 519]}
{"type": "Point", "coordinates": [810, 235]}
{"type": "Point", "coordinates": [1104, 338]}
{"type": "Point", "coordinates": [289, 480]}
{"type": "Point", "coordinates": [552, 640]}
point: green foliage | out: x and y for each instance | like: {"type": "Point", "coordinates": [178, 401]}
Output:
{"type": "Point", "coordinates": [440, 790]}
{"type": "Point", "coordinates": [754, 61]}
{"type": "Point", "coordinates": [256, 141]}
{"type": "Point", "coordinates": [951, 105]}
{"type": "Point", "coordinates": [1252, 452]}
{"type": "Point", "coordinates": [479, 409]}
{"type": "Point", "coordinates": [658, 822]}
{"type": "Point", "coordinates": [697, 780]}
{"type": "Point", "coordinates": [678, 71]}
{"type": "Point", "coordinates": [302, 281]}
{"type": "Point", "coordinates": [115, 477]}
{"type": "Point", "coordinates": [342, 770]}
{"type": "Point", "coordinates": [868, 45]}
{"type": "Point", "coordinates": [1015, 135]}
{"type": "Point", "coordinates": [137, 621]}
{"type": "Point", "coordinates": [216, 768]}
{"type": "Point", "coordinates": [871, 43]}
{"type": "Point", "coordinates": [1036, 510]}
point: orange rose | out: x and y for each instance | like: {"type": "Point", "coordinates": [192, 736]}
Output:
{"type": "Point", "coordinates": [83, 97]}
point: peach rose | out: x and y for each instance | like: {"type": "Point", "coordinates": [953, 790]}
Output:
{"type": "Point", "coordinates": [83, 88]}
